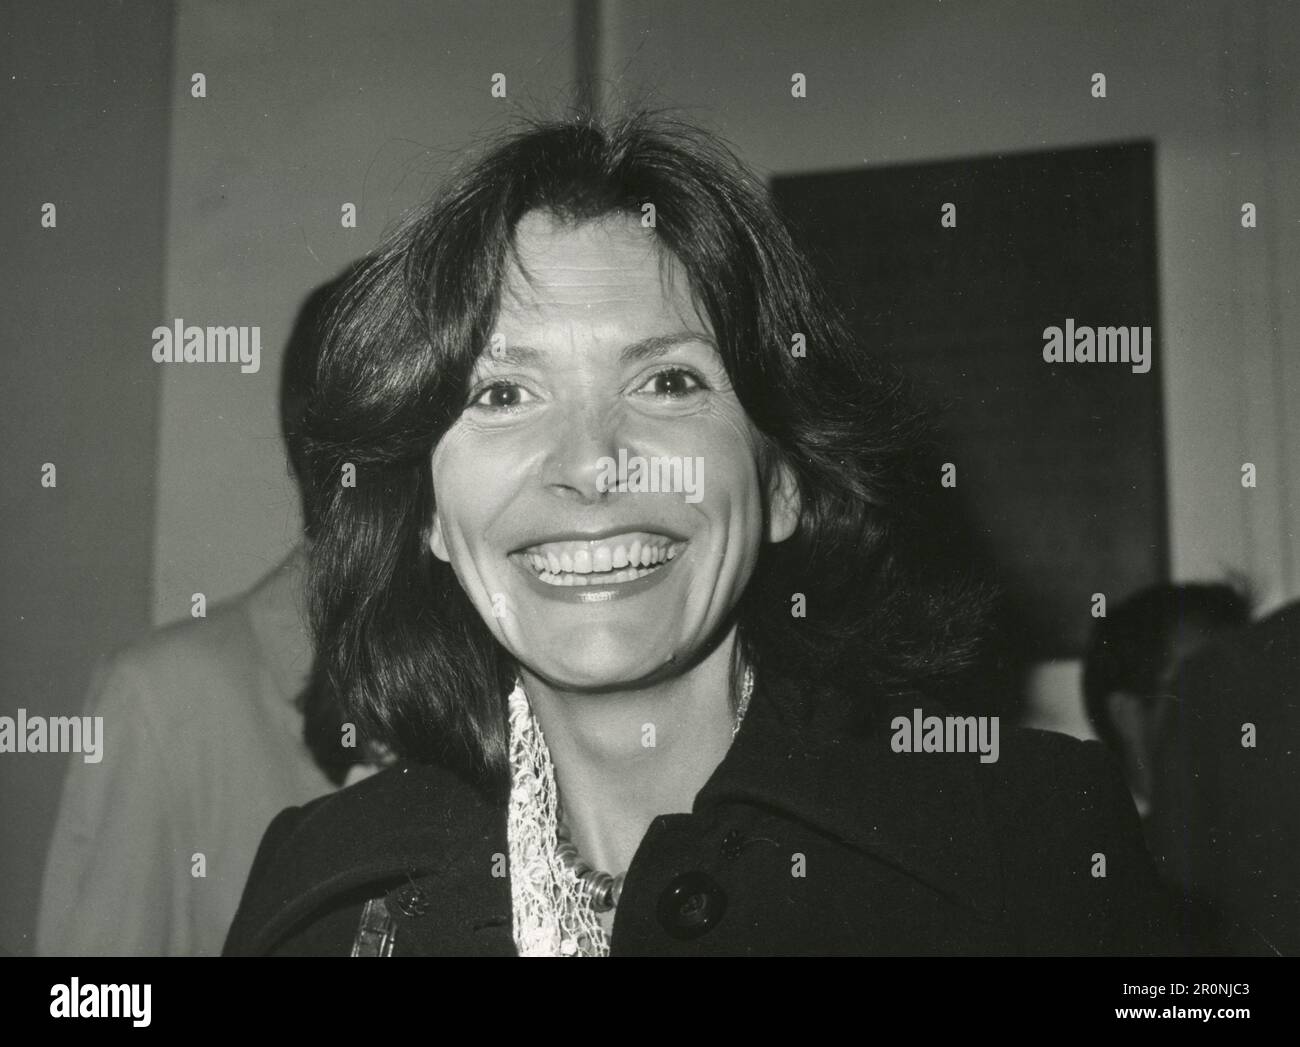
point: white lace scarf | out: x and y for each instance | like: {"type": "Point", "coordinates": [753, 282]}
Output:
{"type": "Point", "coordinates": [552, 911]}
{"type": "Point", "coordinates": [552, 916]}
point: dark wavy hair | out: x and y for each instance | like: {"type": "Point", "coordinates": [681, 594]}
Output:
{"type": "Point", "coordinates": [400, 642]}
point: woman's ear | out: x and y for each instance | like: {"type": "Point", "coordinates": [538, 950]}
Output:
{"type": "Point", "coordinates": [437, 543]}
{"type": "Point", "coordinates": [784, 503]}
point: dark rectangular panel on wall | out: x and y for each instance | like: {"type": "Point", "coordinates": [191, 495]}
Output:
{"type": "Point", "coordinates": [1060, 466]}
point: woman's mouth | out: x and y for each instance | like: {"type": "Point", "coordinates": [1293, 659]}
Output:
{"type": "Point", "coordinates": [615, 560]}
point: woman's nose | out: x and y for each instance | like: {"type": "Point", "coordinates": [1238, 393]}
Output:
{"type": "Point", "coordinates": [582, 442]}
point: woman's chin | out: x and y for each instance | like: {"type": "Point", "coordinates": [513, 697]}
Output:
{"type": "Point", "coordinates": [592, 674]}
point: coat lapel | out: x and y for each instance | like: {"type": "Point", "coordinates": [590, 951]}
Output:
{"type": "Point", "coordinates": [923, 813]}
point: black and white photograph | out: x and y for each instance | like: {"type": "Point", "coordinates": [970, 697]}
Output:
{"type": "Point", "coordinates": [598, 478]}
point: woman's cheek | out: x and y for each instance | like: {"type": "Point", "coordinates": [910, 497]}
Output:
{"type": "Point", "coordinates": [468, 463]}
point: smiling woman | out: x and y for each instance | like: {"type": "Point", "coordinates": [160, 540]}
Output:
{"type": "Point", "coordinates": [635, 719]}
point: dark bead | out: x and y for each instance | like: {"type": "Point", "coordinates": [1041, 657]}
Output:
{"type": "Point", "coordinates": [690, 905]}
{"type": "Point", "coordinates": [732, 844]}
{"type": "Point", "coordinates": [410, 900]}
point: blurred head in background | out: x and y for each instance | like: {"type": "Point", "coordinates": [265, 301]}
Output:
{"type": "Point", "coordinates": [1133, 657]}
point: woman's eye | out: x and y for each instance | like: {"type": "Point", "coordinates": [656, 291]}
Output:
{"type": "Point", "coordinates": [500, 396]}
{"type": "Point", "coordinates": [673, 383]}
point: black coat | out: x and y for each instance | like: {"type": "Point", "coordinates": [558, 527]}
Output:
{"type": "Point", "coordinates": [901, 854]}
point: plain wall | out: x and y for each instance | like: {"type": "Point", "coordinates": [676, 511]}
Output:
{"type": "Point", "coordinates": [85, 102]}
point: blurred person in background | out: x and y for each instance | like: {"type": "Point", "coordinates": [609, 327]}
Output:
{"type": "Point", "coordinates": [1130, 696]}
{"type": "Point", "coordinates": [1223, 821]}
{"type": "Point", "coordinates": [1133, 655]}
{"type": "Point", "coordinates": [212, 726]}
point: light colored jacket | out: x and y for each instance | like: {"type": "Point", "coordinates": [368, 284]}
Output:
{"type": "Point", "coordinates": [202, 747]}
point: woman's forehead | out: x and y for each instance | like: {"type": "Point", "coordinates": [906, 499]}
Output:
{"type": "Point", "coordinates": [608, 272]}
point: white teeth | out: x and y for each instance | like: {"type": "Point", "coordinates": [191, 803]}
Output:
{"type": "Point", "coordinates": [599, 562]}
{"type": "Point", "coordinates": [562, 580]}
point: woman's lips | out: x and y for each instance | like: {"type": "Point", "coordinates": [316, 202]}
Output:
{"type": "Point", "coordinates": [598, 571]}
{"type": "Point", "coordinates": [617, 558]}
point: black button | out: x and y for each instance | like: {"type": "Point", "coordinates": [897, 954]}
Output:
{"type": "Point", "coordinates": [732, 844]}
{"type": "Point", "coordinates": [410, 900]}
{"type": "Point", "coordinates": [691, 904]}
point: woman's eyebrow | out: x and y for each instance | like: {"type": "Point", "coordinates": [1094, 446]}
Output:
{"type": "Point", "coordinates": [645, 349]}
{"type": "Point", "coordinates": [659, 345]}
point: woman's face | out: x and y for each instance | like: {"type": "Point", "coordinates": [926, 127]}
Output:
{"type": "Point", "coordinates": [592, 576]}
